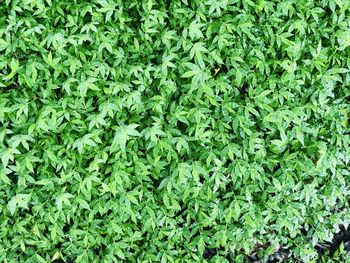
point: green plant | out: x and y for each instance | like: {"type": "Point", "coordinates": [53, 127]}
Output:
{"type": "Point", "coordinates": [172, 131]}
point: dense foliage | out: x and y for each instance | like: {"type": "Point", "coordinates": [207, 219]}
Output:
{"type": "Point", "coordinates": [173, 131]}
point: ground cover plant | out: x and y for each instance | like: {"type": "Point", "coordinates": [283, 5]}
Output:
{"type": "Point", "coordinates": [174, 131]}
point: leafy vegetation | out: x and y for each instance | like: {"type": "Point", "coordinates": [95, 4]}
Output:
{"type": "Point", "coordinates": [173, 131]}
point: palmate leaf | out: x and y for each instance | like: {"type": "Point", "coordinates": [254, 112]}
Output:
{"type": "Point", "coordinates": [122, 135]}
{"type": "Point", "coordinates": [20, 201]}
{"type": "Point", "coordinates": [63, 199]}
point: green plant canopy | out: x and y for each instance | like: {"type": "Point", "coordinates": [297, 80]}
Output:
{"type": "Point", "coordinates": [173, 131]}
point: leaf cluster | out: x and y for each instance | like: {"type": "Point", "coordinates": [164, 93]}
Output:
{"type": "Point", "coordinates": [172, 131]}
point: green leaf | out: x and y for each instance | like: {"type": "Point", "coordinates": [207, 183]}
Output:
{"type": "Point", "coordinates": [123, 134]}
{"type": "Point", "coordinates": [120, 254]}
{"type": "Point", "coordinates": [3, 44]}
{"type": "Point", "coordinates": [201, 246]}
{"type": "Point", "coordinates": [19, 200]}
{"type": "Point", "coordinates": [4, 177]}
{"type": "Point", "coordinates": [188, 74]}
{"type": "Point", "coordinates": [300, 135]}
{"type": "Point", "coordinates": [194, 30]}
